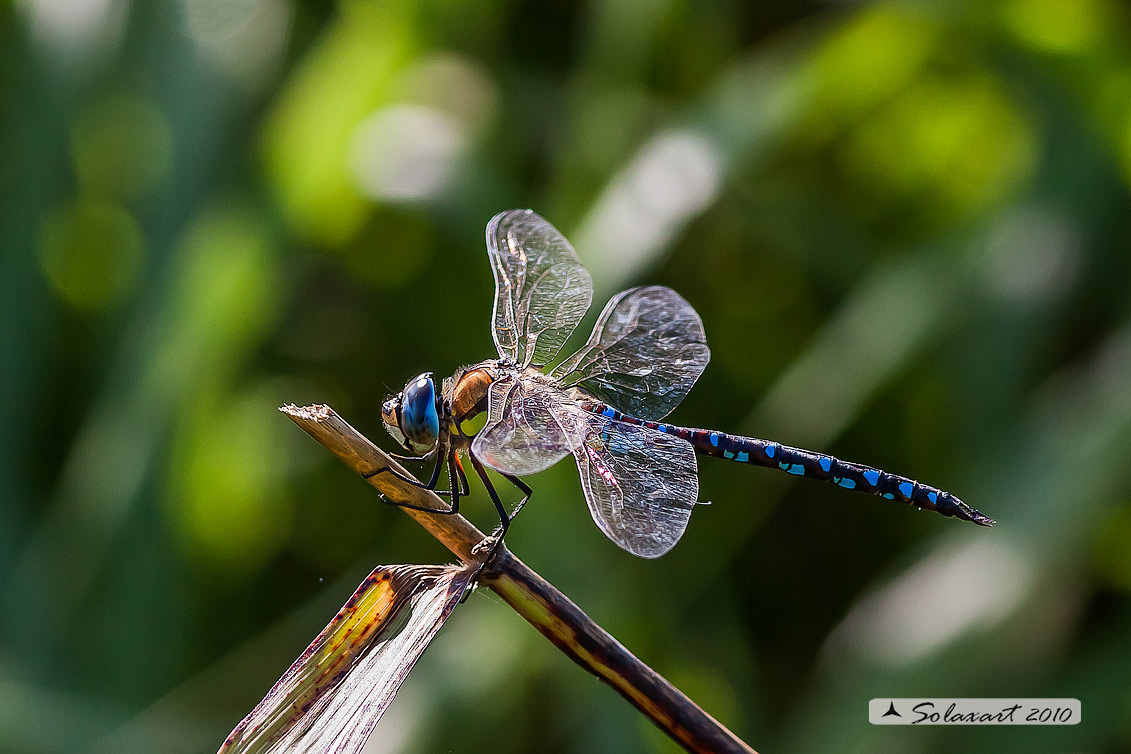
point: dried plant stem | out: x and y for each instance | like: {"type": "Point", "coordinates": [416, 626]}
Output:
{"type": "Point", "coordinates": [531, 596]}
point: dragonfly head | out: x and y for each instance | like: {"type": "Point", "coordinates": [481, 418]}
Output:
{"type": "Point", "coordinates": [412, 416]}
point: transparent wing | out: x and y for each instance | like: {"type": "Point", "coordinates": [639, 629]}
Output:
{"type": "Point", "coordinates": [531, 425]}
{"type": "Point", "coordinates": [541, 289]}
{"type": "Point", "coordinates": [331, 698]}
{"type": "Point", "coordinates": [640, 484]}
{"type": "Point", "coordinates": [646, 351]}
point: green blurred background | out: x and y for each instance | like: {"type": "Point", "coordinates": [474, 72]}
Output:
{"type": "Point", "coordinates": [904, 224]}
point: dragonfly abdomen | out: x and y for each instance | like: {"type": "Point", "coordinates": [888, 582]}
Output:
{"type": "Point", "coordinates": [851, 476]}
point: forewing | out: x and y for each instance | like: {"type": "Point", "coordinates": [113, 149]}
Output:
{"type": "Point", "coordinates": [646, 351]}
{"type": "Point", "coordinates": [330, 699]}
{"type": "Point", "coordinates": [531, 425]}
{"type": "Point", "coordinates": [541, 289]}
{"type": "Point", "coordinates": [640, 484]}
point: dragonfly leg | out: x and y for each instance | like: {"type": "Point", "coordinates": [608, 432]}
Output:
{"type": "Point", "coordinates": [407, 480]}
{"type": "Point", "coordinates": [438, 511]}
{"type": "Point", "coordinates": [429, 485]}
{"type": "Point", "coordinates": [426, 457]}
{"type": "Point", "coordinates": [526, 492]}
{"type": "Point", "coordinates": [504, 517]}
{"type": "Point", "coordinates": [454, 462]}
{"type": "Point", "coordinates": [453, 481]}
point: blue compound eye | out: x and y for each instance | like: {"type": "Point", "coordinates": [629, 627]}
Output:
{"type": "Point", "coordinates": [419, 419]}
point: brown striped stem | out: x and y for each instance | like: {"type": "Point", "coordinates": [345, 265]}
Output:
{"type": "Point", "coordinates": [554, 615]}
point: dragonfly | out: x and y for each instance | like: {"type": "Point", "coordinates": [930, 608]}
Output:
{"type": "Point", "coordinates": [605, 404]}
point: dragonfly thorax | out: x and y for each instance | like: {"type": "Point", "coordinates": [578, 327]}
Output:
{"type": "Point", "coordinates": [468, 395]}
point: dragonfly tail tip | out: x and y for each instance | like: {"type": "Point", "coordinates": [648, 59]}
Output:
{"type": "Point", "coordinates": [981, 519]}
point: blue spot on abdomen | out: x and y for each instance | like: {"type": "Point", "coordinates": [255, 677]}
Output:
{"type": "Point", "coordinates": [905, 489]}
{"type": "Point", "coordinates": [872, 476]}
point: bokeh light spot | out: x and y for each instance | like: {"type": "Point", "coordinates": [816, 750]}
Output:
{"type": "Point", "coordinates": [91, 252]}
{"type": "Point", "coordinates": [674, 176]}
{"type": "Point", "coordinates": [229, 502]}
{"type": "Point", "coordinates": [1059, 26]}
{"type": "Point", "coordinates": [243, 38]}
{"type": "Point", "coordinates": [869, 58]}
{"type": "Point", "coordinates": [1033, 254]}
{"type": "Point", "coordinates": [121, 145]}
{"type": "Point", "coordinates": [451, 83]}
{"type": "Point", "coordinates": [75, 31]}
{"type": "Point", "coordinates": [407, 152]}
{"type": "Point", "coordinates": [225, 295]}
{"type": "Point", "coordinates": [344, 77]}
{"type": "Point", "coordinates": [962, 145]}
